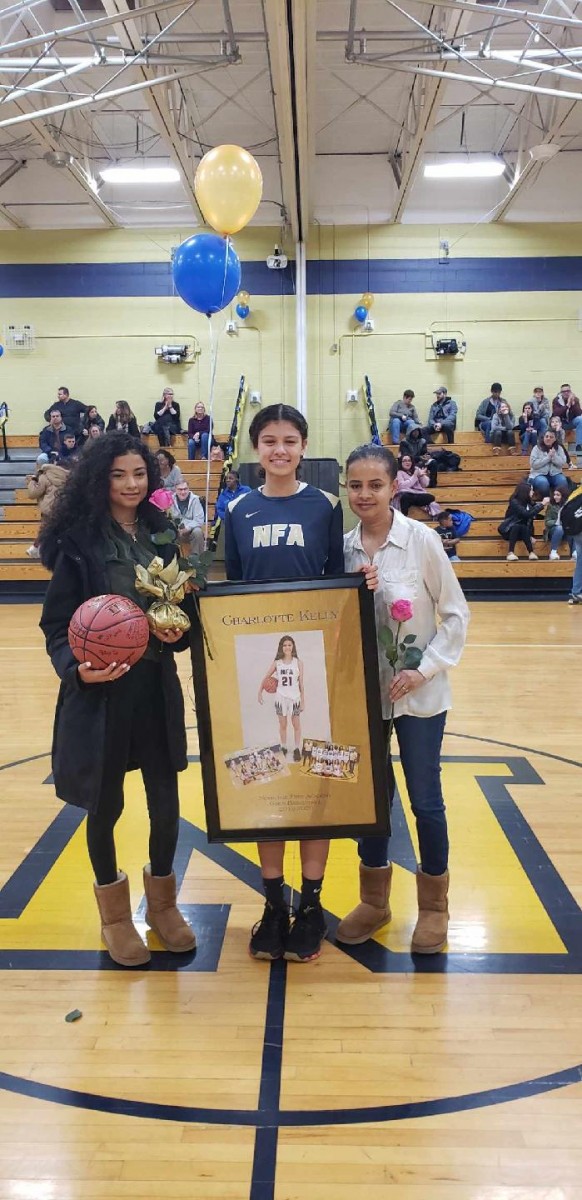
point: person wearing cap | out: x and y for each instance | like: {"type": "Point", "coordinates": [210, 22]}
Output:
{"type": "Point", "coordinates": [442, 417]}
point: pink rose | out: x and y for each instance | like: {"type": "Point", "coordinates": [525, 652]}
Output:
{"type": "Point", "coordinates": [162, 498]}
{"type": "Point", "coordinates": [401, 610]}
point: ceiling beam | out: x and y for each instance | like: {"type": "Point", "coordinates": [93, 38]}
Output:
{"type": "Point", "coordinates": [533, 167]}
{"type": "Point", "coordinates": [277, 30]}
{"type": "Point", "coordinates": [159, 106]}
{"type": "Point", "coordinates": [5, 213]}
{"type": "Point", "coordinates": [304, 51]}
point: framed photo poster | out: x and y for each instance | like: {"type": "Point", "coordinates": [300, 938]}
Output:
{"type": "Point", "coordinates": [289, 710]}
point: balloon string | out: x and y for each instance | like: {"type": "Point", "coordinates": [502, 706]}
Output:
{"type": "Point", "coordinates": [213, 366]}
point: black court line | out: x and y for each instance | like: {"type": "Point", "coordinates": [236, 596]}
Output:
{"type": "Point", "coordinates": [267, 1135]}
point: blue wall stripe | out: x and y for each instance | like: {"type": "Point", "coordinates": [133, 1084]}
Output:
{"type": "Point", "coordinates": [346, 276]}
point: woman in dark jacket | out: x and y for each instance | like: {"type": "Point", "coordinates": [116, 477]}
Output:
{"type": "Point", "coordinates": [517, 524]}
{"type": "Point", "coordinates": [113, 720]}
{"type": "Point", "coordinates": [123, 420]}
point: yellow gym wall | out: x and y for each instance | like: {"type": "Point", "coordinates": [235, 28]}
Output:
{"type": "Point", "coordinates": [103, 348]}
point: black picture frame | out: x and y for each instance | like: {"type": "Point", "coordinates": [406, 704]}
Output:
{"type": "Point", "coordinates": [207, 721]}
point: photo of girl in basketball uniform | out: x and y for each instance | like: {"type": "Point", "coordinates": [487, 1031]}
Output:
{"type": "Point", "coordinates": [287, 671]}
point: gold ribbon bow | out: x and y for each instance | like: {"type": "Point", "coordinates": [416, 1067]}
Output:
{"type": "Point", "coordinates": [168, 585]}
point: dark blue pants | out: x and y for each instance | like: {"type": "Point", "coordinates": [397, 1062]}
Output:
{"type": "Point", "coordinates": [419, 741]}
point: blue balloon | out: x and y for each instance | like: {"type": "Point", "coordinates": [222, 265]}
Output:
{"type": "Point", "coordinates": [206, 272]}
{"type": "Point", "coordinates": [1, 351]}
{"type": "Point", "coordinates": [360, 313]}
{"type": "Point", "coordinates": [242, 311]}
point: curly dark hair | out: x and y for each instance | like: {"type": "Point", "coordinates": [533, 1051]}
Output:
{"type": "Point", "coordinates": [85, 496]}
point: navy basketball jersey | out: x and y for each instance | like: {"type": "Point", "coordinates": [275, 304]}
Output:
{"type": "Point", "coordinates": [284, 537]}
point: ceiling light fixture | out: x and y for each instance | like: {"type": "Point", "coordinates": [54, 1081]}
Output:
{"type": "Point", "coordinates": [140, 175]}
{"type": "Point", "coordinates": [484, 168]}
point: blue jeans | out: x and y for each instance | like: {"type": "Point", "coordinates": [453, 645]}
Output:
{"type": "Point", "coordinates": [397, 424]}
{"type": "Point", "coordinates": [203, 444]}
{"type": "Point", "coordinates": [485, 427]}
{"type": "Point", "coordinates": [577, 580]}
{"type": "Point", "coordinates": [544, 484]}
{"type": "Point", "coordinates": [558, 536]}
{"type": "Point", "coordinates": [576, 425]}
{"type": "Point", "coordinates": [419, 742]}
{"type": "Point", "coordinates": [528, 439]}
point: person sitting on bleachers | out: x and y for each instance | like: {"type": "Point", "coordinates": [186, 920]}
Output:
{"type": "Point", "coordinates": [92, 417]}
{"type": "Point", "coordinates": [487, 409]}
{"type": "Point", "coordinates": [542, 408]}
{"type": "Point", "coordinates": [94, 431]}
{"type": "Point", "coordinates": [402, 417]}
{"type": "Point", "coordinates": [232, 489]}
{"type": "Point", "coordinates": [557, 427]}
{"type": "Point", "coordinates": [446, 532]}
{"type": "Point", "coordinates": [547, 464]}
{"type": "Point", "coordinates": [199, 432]}
{"type": "Point", "coordinates": [567, 406]}
{"type": "Point", "coordinates": [123, 419]}
{"type": "Point", "coordinates": [51, 438]}
{"type": "Point", "coordinates": [169, 470]}
{"type": "Point", "coordinates": [517, 524]}
{"type": "Point", "coordinates": [43, 487]}
{"type": "Point", "coordinates": [553, 532]}
{"type": "Point", "coordinates": [70, 450]}
{"type": "Point", "coordinates": [430, 458]}
{"type": "Point", "coordinates": [72, 411]}
{"type": "Point", "coordinates": [442, 417]}
{"type": "Point", "coordinates": [188, 511]}
{"type": "Point", "coordinates": [529, 428]}
{"type": "Point", "coordinates": [502, 423]}
{"type": "Point", "coordinates": [411, 483]}
{"type": "Point", "coordinates": [166, 421]}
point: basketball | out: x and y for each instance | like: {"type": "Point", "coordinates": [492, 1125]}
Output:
{"type": "Point", "coordinates": [271, 685]}
{"type": "Point", "coordinates": [107, 629]}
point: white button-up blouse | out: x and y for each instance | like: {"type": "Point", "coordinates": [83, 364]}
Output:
{"type": "Point", "coordinates": [412, 565]}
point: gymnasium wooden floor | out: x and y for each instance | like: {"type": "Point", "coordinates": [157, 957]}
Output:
{"type": "Point", "coordinates": [364, 1075]}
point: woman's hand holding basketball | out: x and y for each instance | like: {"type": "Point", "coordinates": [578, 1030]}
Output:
{"type": "Point", "coordinates": [169, 635]}
{"type": "Point", "coordinates": [107, 675]}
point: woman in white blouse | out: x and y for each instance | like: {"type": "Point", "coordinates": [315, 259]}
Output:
{"type": "Point", "coordinates": [413, 566]}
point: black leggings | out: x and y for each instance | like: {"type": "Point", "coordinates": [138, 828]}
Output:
{"type": "Point", "coordinates": [414, 500]}
{"type": "Point", "coordinates": [520, 533]}
{"type": "Point", "coordinates": [135, 734]}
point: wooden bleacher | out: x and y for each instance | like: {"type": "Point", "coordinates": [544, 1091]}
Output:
{"type": "Point", "coordinates": [482, 488]}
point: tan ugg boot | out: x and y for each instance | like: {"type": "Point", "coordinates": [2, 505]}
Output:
{"type": "Point", "coordinates": [430, 934]}
{"type": "Point", "coordinates": [163, 915]}
{"type": "Point", "coordinates": [117, 928]}
{"type": "Point", "coordinates": [373, 911]}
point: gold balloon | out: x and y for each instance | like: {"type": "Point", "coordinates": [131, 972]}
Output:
{"type": "Point", "coordinates": [243, 298]}
{"type": "Point", "coordinates": [367, 300]}
{"type": "Point", "coordinates": [228, 187]}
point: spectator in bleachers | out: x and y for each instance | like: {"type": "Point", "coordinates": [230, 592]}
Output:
{"type": "Point", "coordinates": [502, 423]}
{"type": "Point", "coordinates": [166, 423]}
{"type": "Point", "coordinates": [446, 532]}
{"type": "Point", "coordinates": [529, 428]}
{"type": "Point", "coordinates": [442, 417]}
{"type": "Point", "coordinates": [70, 450]}
{"type": "Point", "coordinates": [557, 428]}
{"type": "Point", "coordinates": [188, 511]}
{"type": "Point", "coordinates": [487, 409]}
{"type": "Point", "coordinates": [553, 531]}
{"type": "Point", "coordinates": [547, 464]}
{"type": "Point", "coordinates": [51, 438]}
{"type": "Point", "coordinates": [72, 411]}
{"type": "Point", "coordinates": [542, 408]}
{"type": "Point", "coordinates": [411, 485]}
{"type": "Point", "coordinates": [94, 431]}
{"type": "Point", "coordinates": [403, 417]}
{"type": "Point", "coordinates": [123, 420]}
{"type": "Point", "coordinates": [43, 487]}
{"type": "Point", "coordinates": [232, 488]}
{"type": "Point", "coordinates": [92, 417]}
{"type": "Point", "coordinates": [199, 432]}
{"type": "Point", "coordinates": [430, 458]}
{"type": "Point", "coordinates": [567, 406]}
{"type": "Point", "coordinates": [169, 470]}
{"type": "Point", "coordinates": [517, 524]}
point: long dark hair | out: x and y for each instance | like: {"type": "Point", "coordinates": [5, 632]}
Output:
{"type": "Point", "coordinates": [371, 451]}
{"type": "Point", "coordinates": [85, 496]}
{"type": "Point", "coordinates": [123, 412]}
{"type": "Point", "coordinates": [277, 412]}
{"type": "Point", "coordinates": [522, 493]}
{"type": "Point", "coordinates": [171, 461]}
{"type": "Point", "coordinates": [279, 653]}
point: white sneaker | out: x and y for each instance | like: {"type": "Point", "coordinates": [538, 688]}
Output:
{"type": "Point", "coordinates": [554, 555]}
{"type": "Point", "coordinates": [33, 551]}
{"type": "Point", "coordinates": [532, 555]}
{"type": "Point", "coordinates": [574, 554]}
{"type": "Point", "coordinates": [512, 558]}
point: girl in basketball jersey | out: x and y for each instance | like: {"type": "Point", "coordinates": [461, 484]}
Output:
{"type": "Point", "coordinates": [285, 530]}
{"type": "Point", "coordinates": [114, 720]}
{"type": "Point", "coordinates": [287, 668]}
